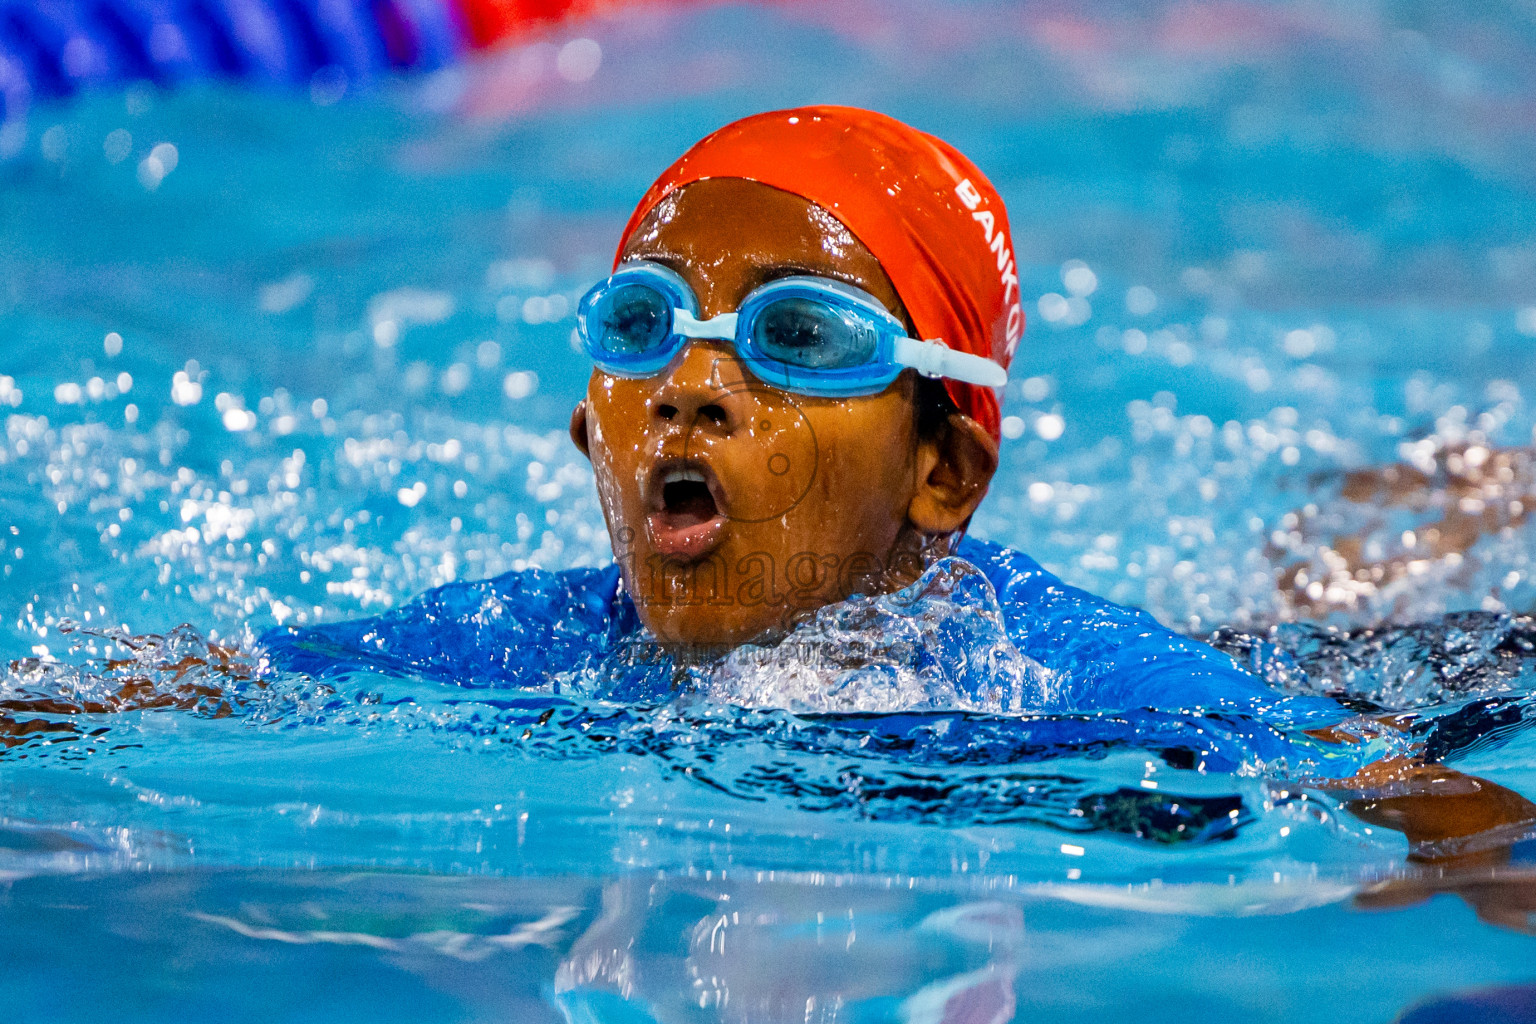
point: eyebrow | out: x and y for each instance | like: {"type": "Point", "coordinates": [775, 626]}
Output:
{"type": "Point", "coordinates": [776, 271]}
{"type": "Point", "coordinates": [676, 264]}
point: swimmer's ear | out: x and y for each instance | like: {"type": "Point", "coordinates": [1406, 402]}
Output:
{"type": "Point", "coordinates": [579, 427]}
{"type": "Point", "coordinates": [953, 471]}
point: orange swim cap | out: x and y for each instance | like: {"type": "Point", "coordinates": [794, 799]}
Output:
{"type": "Point", "coordinates": [934, 222]}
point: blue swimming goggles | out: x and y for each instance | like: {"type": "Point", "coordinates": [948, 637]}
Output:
{"type": "Point", "coordinates": [810, 335]}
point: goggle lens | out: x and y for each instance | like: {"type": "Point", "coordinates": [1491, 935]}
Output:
{"type": "Point", "coordinates": [630, 320]}
{"type": "Point", "coordinates": [811, 335]}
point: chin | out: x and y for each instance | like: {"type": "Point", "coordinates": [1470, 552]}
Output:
{"type": "Point", "coordinates": [693, 627]}
{"type": "Point", "coordinates": [695, 610]}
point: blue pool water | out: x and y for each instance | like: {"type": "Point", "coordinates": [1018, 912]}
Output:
{"type": "Point", "coordinates": [272, 359]}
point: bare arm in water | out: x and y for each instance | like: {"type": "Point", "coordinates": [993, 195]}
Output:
{"type": "Point", "coordinates": [1464, 493]}
{"type": "Point", "coordinates": [1461, 831]}
{"type": "Point", "coordinates": [180, 671]}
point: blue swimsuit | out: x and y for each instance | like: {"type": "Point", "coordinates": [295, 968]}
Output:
{"type": "Point", "coordinates": [533, 629]}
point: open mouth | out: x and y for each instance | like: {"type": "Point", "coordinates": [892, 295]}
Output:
{"type": "Point", "coordinates": [686, 519]}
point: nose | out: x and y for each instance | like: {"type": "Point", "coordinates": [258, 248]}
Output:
{"type": "Point", "coordinates": [696, 392]}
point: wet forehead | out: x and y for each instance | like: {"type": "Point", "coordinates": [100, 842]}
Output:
{"type": "Point", "coordinates": [726, 236]}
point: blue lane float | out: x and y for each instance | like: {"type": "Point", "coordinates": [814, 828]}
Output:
{"type": "Point", "coordinates": [54, 49]}
{"type": "Point", "coordinates": [57, 48]}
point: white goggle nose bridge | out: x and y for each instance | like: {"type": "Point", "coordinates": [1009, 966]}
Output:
{"type": "Point", "coordinates": [716, 328]}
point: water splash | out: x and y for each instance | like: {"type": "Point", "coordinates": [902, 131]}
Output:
{"type": "Point", "coordinates": [947, 755]}
{"type": "Point", "coordinates": [1455, 658]}
{"type": "Point", "coordinates": [937, 644]}
{"type": "Point", "coordinates": [48, 699]}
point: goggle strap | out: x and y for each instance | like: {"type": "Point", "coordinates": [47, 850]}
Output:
{"type": "Point", "coordinates": [936, 359]}
{"type": "Point", "coordinates": [717, 328]}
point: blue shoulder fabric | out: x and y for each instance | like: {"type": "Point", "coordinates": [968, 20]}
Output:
{"type": "Point", "coordinates": [516, 629]}
{"type": "Point", "coordinates": [524, 629]}
{"type": "Point", "coordinates": [1117, 657]}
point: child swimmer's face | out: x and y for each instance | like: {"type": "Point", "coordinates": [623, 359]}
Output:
{"type": "Point", "coordinates": [733, 505]}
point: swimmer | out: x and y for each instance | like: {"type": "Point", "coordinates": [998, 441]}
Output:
{"type": "Point", "coordinates": [793, 404]}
